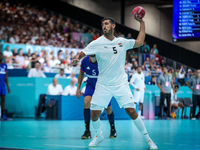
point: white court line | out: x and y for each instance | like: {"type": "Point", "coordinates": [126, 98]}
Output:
{"type": "Point", "coordinates": [183, 144]}
{"type": "Point", "coordinates": [31, 136]}
{"type": "Point", "coordinates": [18, 148]}
{"type": "Point", "coordinates": [123, 141]}
{"type": "Point", "coordinates": [66, 145]}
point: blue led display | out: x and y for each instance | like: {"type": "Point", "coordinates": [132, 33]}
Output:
{"type": "Point", "coordinates": [186, 20]}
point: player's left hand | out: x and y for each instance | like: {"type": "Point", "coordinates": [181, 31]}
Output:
{"type": "Point", "coordinates": [8, 90]}
{"type": "Point", "coordinates": [74, 61]}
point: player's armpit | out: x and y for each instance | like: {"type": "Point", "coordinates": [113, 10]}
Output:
{"type": "Point", "coordinates": [138, 43]}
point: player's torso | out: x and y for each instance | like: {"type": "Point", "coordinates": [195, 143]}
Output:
{"type": "Point", "coordinates": [111, 61]}
{"type": "Point", "coordinates": [91, 71]}
{"type": "Point", "coordinates": [139, 80]}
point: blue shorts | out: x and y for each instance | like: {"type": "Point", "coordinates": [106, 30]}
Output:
{"type": "Point", "coordinates": [3, 90]}
{"type": "Point", "coordinates": [89, 91]}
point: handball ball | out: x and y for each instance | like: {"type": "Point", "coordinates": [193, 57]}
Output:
{"type": "Point", "coordinates": [139, 11]}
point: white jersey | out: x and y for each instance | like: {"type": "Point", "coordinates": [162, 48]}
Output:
{"type": "Point", "coordinates": [111, 57]}
{"type": "Point", "coordinates": [137, 81]}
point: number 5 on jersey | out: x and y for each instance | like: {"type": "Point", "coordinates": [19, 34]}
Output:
{"type": "Point", "coordinates": [114, 49]}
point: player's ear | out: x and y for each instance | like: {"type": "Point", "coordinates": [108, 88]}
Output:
{"type": "Point", "coordinates": [113, 26]}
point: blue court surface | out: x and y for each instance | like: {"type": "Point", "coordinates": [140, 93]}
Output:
{"type": "Point", "coordinates": [65, 135]}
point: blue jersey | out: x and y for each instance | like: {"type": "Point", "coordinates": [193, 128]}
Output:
{"type": "Point", "coordinates": [3, 70]}
{"type": "Point", "coordinates": [91, 70]}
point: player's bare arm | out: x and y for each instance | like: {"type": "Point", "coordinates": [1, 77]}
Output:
{"type": "Point", "coordinates": [141, 36]}
{"type": "Point", "coordinates": [6, 80]}
{"type": "Point", "coordinates": [80, 79]}
{"type": "Point", "coordinates": [77, 57]}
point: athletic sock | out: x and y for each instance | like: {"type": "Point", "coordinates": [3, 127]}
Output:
{"type": "Point", "coordinates": [139, 112]}
{"type": "Point", "coordinates": [87, 118]}
{"type": "Point", "coordinates": [176, 110]}
{"type": "Point", "coordinates": [140, 125]}
{"type": "Point", "coordinates": [97, 127]}
{"type": "Point", "coordinates": [185, 111]}
{"type": "Point", "coordinates": [111, 121]}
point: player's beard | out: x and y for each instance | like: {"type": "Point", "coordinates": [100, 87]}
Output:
{"type": "Point", "coordinates": [109, 33]}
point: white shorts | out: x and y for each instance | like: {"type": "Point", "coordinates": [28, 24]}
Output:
{"type": "Point", "coordinates": [174, 102]}
{"type": "Point", "coordinates": [103, 94]}
{"type": "Point", "coordinates": [138, 96]}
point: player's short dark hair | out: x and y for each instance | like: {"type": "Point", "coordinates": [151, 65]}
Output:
{"type": "Point", "coordinates": [61, 69]}
{"type": "Point", "coordinates": [110, 19]}
{"type": "Point", "coordinates": [176, 86]}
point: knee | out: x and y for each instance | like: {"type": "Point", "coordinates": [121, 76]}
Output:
{"type": "Point", "coordinates": [108, 110]}
{"type": "Point", "coordinates": [94, 116]}
{"type": "Point", "coordinates": [132, 112]}
{"type": "Point", "coordinates": [87, 103]}
{"type": "Point", "coordinates": [2, 99]}
{"type": "Point", "coordinates": [180, 105]}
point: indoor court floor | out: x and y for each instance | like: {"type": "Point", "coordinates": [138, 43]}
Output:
{"type": "Point", "coordinates": [65, 135]}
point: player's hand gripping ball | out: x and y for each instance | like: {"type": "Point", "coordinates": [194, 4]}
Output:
{"type": "Point", "coordinates": [138, 12]}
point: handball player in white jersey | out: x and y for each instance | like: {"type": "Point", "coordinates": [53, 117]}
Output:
{"type": "Point", "coordinates": [137, 81]}
{"type": "Point", "coordinates": [112, 81]}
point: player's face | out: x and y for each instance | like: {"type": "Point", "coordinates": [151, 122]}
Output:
{"type": "Point", "coordinates": [175, 89]}
{"type": "Point", "coordinates": [107, 27]}
{"type": "Point", "coordinates": [139, 70]}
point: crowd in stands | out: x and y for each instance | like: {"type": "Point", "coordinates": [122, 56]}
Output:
{"type": "Point", "coordinates": [29, 25]}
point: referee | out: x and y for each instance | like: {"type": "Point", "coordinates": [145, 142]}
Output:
{"type": "Point", "coordinates": [195, 82]}
{"type": "Point", "coordinates": [165, 83]}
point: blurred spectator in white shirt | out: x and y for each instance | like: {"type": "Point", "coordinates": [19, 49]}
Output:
{"type": "Point", "coordinates": [70, 89]}
{"type": "Point", "coordinates": [55, 88]}
{"type": "Point", "coordinates": [26, 61]}
{"type": "Point", "coordinates": [72, 76]}
{"type": "Point", "coordinates": [36, 72]}
{"type": "Point", "coordinates": [47, 67]}
{"type": "Point", "coordinates": [53, 62]}
{"type": "Point", "coordinates": [61, 74]}
{"type": "Point", "coordinates": [20, 58]}
{"type": "Point", "coordinates": [7, 54]}
{"type": "Point", "coordinates": [154, 50]}
{"type": "Point", "coordinates": [181, 76]}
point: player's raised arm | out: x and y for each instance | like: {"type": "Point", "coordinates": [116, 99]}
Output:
{"type": "Point", "coordinates": [141, 36]}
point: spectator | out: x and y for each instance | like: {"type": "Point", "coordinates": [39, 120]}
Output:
{"type": "Point", "coordinates": [157, 62]}
{"type": "Point", "coordinates": [152, 81]}
{"type": "Point", "coordinates": [60, 74]}
{"type": "Point", "coordinates": [170, 72]}
{"type": "Point", "coordinates": [135, 65]}
{"type": "Point", "coordinates": [61, 56]}
{"type": "Point", "coordinates": [154, 50]}
{"type": "Point", "coordinates": [53, 62]}
{"type": "Point", "coordinates": [173, 73]}
{"type": "Point", "coordinates": [165, 83]}
{"type": "Point", "coordinates": [174, 81]}
{"type": "Point", "coordinates": [70, 89]}
{"type": "Point", "coordinates": [190, 73]}
{"type": "Point", "coordinates": [96, 36]}
{"type": "Point", "coordinates": [7, 54]}
{"type": "Point", "coordinates": [163, 64]}
{"type": "Point", "coordinates": [14, 52]}
{"type": "Point", "coordinates": [129, 36]}
{"type": "Point", "coordinates": [26, 61]}
{"type": "Point", "coordinates": [47, 67]}
{"type": "Point", "coordinates": [128, 56]}
{"type": "Point", "coordinates": [20, 58]}
{"type": "Point", "coordinates": [134, 56]}
{"type": "Point", "coordinates": [175, 104]}
{"type": "Point", "coordinates": [52, 54]}
{"type": "Point", "coordinates": [195, 88]}
{"type": "Point", "coordinates": [145, 48]}
{"type": "Point", "coordinates": [181, 76]}
{"type": "Point", "coordinates": [33, 60]}
{"type": "Point", "coordinates": [147, 64]}
{"type": "Point", "coordinates": [72, 76]}
{"type": "Point", "coordinates": [55, 88]}
{"type": "Point", "coordinates": [36, 72]}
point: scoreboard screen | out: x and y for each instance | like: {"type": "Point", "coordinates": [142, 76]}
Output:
{"type": "Point", "coordinates": [186, 20]}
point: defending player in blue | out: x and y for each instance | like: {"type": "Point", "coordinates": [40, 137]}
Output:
{"type": "Point", "coordinates": [3, 83]}
{"type": "Point", "coordinates": [90, 67]}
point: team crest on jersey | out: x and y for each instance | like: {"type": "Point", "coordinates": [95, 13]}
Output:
{"type": "Point", "coordinates": [120, 44]}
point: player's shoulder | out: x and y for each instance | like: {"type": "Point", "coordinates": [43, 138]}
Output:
{"type": "Point", "coordinates": [4, 64]}
{"type": "Point", "coordinates": [97, 41]}
{"type": "Point", "coordinates": [85, 59]}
